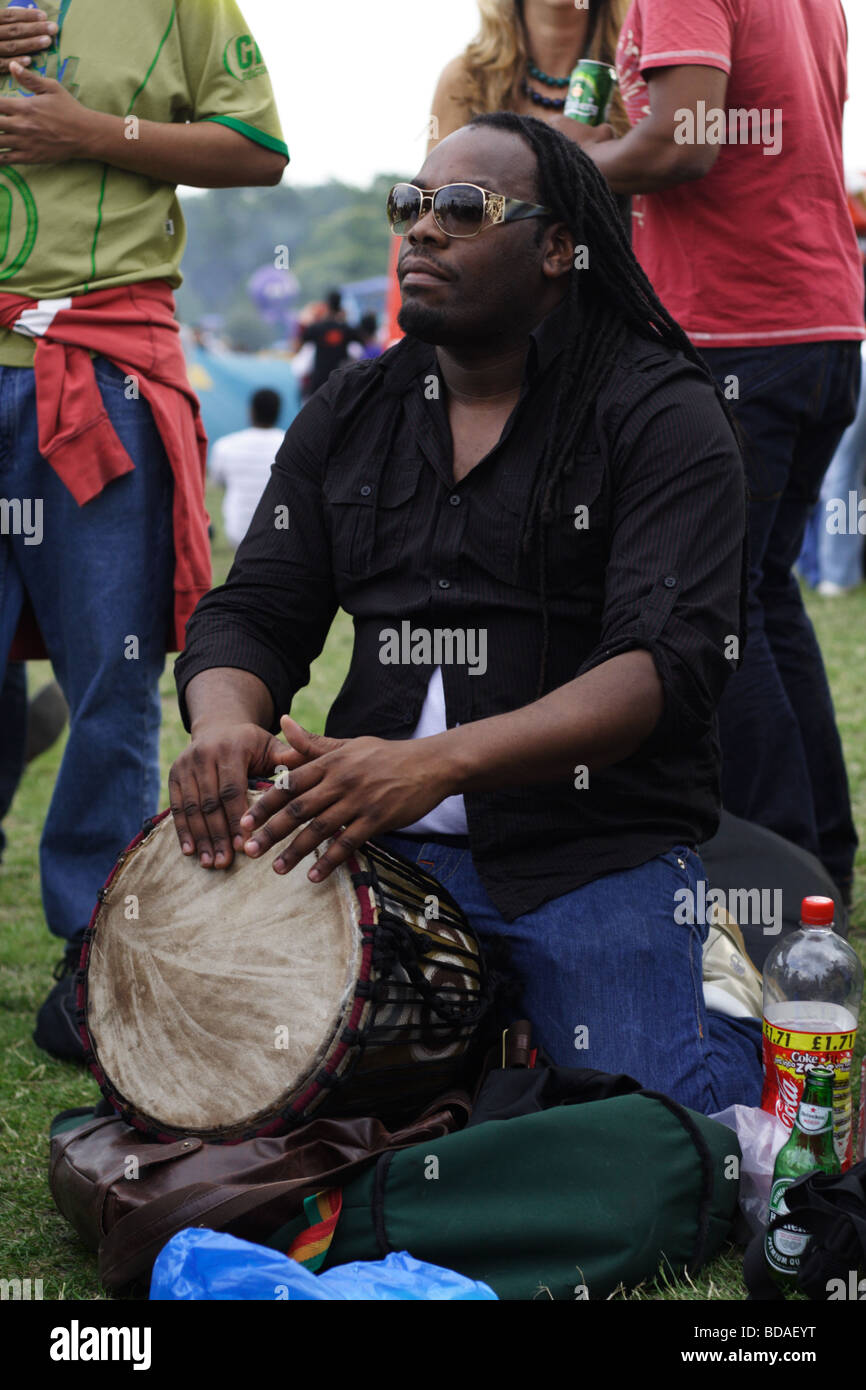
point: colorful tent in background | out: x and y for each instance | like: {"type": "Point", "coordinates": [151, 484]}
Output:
{"type": "Point", "coordinates": [224, 382]}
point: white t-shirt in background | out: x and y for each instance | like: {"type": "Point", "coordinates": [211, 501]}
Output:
{"type": "Point", "coordinates": [242, 464]}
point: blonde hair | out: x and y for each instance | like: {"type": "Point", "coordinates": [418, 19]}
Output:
{"type": "Point", "coordinates": [495, 61]}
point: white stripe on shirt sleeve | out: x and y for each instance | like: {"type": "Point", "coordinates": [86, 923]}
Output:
{"type": "Point", "coordinates": [683, 55]}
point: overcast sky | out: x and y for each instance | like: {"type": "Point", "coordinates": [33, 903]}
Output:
{"type": "Point", "coordinates": [383, 57]}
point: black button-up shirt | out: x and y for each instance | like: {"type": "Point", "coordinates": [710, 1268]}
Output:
{"type": "Point", "coordinates": [645, 550]}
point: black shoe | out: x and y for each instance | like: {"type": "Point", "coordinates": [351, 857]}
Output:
{"type": "Point", "coordinates": [56, 1029]}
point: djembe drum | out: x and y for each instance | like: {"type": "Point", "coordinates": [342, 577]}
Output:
{"type": "Point", "coordinates": [233, 1003]}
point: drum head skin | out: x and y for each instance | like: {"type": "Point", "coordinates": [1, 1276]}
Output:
{"type": "Point", "coordinates": [213, 995]}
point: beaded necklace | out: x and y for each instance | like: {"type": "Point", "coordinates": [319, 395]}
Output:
{"type": "Point", "coordinates": [538, 98]}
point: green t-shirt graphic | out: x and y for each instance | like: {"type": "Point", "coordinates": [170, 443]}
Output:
{"type": "Point", "coordinates": [71, 227]}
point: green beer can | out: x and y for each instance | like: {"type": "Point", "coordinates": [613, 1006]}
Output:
{"type": "Point", "coordinates": [590, 90]}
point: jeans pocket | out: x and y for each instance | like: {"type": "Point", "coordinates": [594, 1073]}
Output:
{"type": "Point", "coordinates": [121, 394]}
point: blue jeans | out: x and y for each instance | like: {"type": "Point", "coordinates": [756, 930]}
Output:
{"type": "Point", "coordinates": [782, 761]}
{"type": "Point", "coordinates": [840, 556]}
{"type": "Point", "coordinates": [100, 582]}
{"type": "Point", "coordinates": [830, 554]}
{"type": "Point", "coordinates": [610, 980]}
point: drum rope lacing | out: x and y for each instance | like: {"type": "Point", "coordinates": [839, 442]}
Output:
{"type": "Point", "coordinates": [397, 943]}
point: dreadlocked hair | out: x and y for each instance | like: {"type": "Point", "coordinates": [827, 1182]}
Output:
{"type": "Point", "coordinates": [609, 298]}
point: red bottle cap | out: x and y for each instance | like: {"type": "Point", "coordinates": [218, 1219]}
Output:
{"type": "Point", "coordinates": [818, 912]}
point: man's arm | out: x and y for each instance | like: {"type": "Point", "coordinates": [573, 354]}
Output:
{"type": "Point", "coordinates": [600, 718]}
{"type": "Point", "coordinates": [450, 109]}
{"type": "Point", "coordinates": [52, 127]}
{"type": "Point", "coordinates": [225, 695]}
{"type": "Point", "coordinates": [651, 157]}
{"type": "Point", "coordinates": [249, 645]}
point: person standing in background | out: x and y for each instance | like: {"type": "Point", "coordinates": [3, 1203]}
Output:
{"type": "Point", "coordinates": [368, 333]}
{"type": "Point", "coordinates": [521, 60]}
{"type": "Point", "coordinates": [330, 337]}
{"type": "Point", "coordinates": [241, 462]}
{"type": "Point", "coordinates": [741, 222]}
{"type": "Point", "coordinates": [102, 446]}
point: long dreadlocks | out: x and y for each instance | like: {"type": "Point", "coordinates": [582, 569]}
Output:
{"type": "Point", "coordinates": [607, 299]}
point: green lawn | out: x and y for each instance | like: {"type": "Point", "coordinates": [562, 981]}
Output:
{"type": "Point", "coordinates": [35, 1241]}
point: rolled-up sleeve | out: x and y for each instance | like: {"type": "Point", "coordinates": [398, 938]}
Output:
{"type": "Point", "coordinates": [273, 614]}
{"type": "Point", "coordinates": [677, 572]}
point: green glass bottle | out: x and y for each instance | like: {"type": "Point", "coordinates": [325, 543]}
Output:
{"type": "Point", "coordinates": [809, 1147]}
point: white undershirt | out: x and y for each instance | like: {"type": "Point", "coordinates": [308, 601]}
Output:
{"type": "Point", "coordinates": [449, 817]}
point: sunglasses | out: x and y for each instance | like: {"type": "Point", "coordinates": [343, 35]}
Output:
{"type": "Point", "coordinates": [459, 209]}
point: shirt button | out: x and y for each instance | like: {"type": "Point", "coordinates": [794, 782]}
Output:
{"type": "Point", "coordinates": [366, 490]}
{"type": "Point", "coordinates": [670, 582]}
{"type": "Point", "coordinates": [444, 583]}
{"type": "Point", "coordinates": [454, 500]}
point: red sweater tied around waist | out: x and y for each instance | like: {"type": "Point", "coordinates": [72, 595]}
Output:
{"type": "Point", "coordinates": [134, 328]}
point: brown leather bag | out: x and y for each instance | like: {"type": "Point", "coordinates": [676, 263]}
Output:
{"type": "Point", "coordinates": [127, 1196]}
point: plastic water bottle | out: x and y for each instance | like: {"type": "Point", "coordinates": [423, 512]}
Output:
{"type": "Point", "coordinates": [813, 983]}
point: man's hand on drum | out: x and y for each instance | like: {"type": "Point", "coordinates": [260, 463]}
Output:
{"type": "Point", "coordinates": [343, 792]}
{"type": "Point", "coordinates": [208, 787]}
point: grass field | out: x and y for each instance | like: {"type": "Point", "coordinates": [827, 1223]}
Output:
{"type": "Point", "coordinates": [35, 1241]}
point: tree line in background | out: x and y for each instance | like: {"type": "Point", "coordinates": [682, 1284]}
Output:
{"type": "Point", "coordinates": [334, 233]}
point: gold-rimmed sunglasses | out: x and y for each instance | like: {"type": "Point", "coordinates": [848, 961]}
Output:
{"type": "Point", "coordinates": [459, 209]}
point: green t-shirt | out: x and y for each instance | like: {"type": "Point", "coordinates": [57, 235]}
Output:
{"type": "Point", "coordinates": [77, 226]}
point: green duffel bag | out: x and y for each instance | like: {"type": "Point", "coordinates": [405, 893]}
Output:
{"type": "Point", "coordinates": [569, 1202]}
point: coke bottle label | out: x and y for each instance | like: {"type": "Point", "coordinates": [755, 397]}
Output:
{"type": "Point", "coordinates": [788, 1055]}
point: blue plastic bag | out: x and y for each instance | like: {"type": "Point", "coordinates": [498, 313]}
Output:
{"type": "Point", "coordinates": [200, 1264]}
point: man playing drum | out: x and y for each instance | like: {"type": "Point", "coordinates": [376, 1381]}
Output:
{"type": "Point", "coordinates": [533, 508]}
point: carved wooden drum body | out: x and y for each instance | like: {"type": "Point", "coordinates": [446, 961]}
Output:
{"type": "Point", "coordinates": [239, 1002]}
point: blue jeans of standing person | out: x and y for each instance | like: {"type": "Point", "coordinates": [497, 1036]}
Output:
{"type": "Point", "coordinates": [13, 737]}
{"type": "Point", "coordinates": [610, 980]}
{"type": "Point", "coordinates": [100, 580]}
{"type": "Point", "coordinates": [782, 761]}
{"type": "Point", "coordinates": [829, 553]}
{"type": "Point", "coordinates": [840, 554]}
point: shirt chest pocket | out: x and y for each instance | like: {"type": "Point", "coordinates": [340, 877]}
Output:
{"type": "Point", "coordinates": [369, 514]}
{"type": "Point", "coordinates": [575, 541]}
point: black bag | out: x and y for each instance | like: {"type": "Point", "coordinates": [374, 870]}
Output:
{"type": "Point", "coordinates": [832, 1208]}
